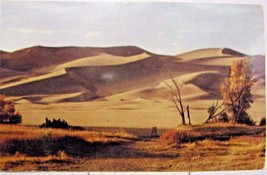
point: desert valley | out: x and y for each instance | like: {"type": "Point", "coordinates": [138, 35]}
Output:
{"type": "Point", "coordinates": [118, 86]}
{"type": "Point", "coordinates": [115, 96]}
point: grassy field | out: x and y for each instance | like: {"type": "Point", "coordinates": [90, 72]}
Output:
{"type": "Point", "coordinates": [194, 148]}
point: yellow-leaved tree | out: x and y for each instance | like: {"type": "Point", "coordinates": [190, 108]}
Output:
{"type": "Point", "coordinates": [236, 91]}
{"type": "Point", "coordinates": [8, 113]}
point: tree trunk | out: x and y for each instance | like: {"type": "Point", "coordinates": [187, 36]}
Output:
{"type": "Point", "coordinates": [183, 118]}
{"type": "Point", "coordinates": [188, 115]}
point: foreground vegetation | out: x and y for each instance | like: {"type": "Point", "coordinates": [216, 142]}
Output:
{"type": "Point", "coordinates": [215, 131]}
{"type": "Point", "coordinates": [8, 113]}
{"type": "Point", "coordinates": [194, 148]}
{"type": "Point", "coordinates": [33, 141]}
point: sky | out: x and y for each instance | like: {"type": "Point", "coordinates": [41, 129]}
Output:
{"type": "Point", "coordinates": [160, 27]}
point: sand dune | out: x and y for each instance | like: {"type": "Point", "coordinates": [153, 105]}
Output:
{"type": "Point", "coordinates": [39, 56]}
{"type": "Point", "coordinates": [99, 82]}
{"type": "Point", "coordinates": [220, 61]}
{"type": "Point", "coordinates": [207, 81]}
{"type": "Point", "coordinates": [9, 76]}
{"type": "Point", "coordinates": [195, 86]}
{"type": "Point", "coordinates": [34, 79]}
{"type": "Point", "coordinates": [212, 56]}
{"type": "Point", "coordinates": [105, 75]}
{"type": "Point", "coordinates": [189, 91]}
{"type": "Point", "coordinates": [4, 73]}
{"type": "Point", "coordinates": [224, 58]}
{"type": "Point", "coordinates": [102, 60]}
{"type": "Point", "coordinates": [209, 53]}
{"type": "Point", "coordinates": [3, 52]}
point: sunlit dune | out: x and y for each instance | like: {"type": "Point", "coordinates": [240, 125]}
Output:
{"type": "Point", "coordinates": [33, 79]}
{"type": "Point", "coordinates": [103, 59]}
{"type": "Point", "coordinates": [209, 53]}
{"type": "Point", "coordinates": [212, 56]}
{"type": "Point", "coordinates": [201, 53]}
{"type": "Point", "coordinates": [220, 61]}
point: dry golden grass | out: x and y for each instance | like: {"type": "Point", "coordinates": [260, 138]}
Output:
{"type": "Point", "coordinates": [240, 153]}
{"type": "Point", "coordinates": [217, 131]}
{"type": "Point", "coordinates": [101, 154]}
{"type": "Point", "coordinates": [8, 132]}
{"type": "Point", "coordinates": [21, 162]}
{"type": "Point", "coordinates": [34, 141]}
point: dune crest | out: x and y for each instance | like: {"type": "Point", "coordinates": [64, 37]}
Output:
{"type": "Point", "coordinates": [37, 57]}
{"type": "Point", "coordinates": [102, 59]}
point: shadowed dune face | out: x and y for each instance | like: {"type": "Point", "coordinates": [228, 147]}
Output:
{"type": "Point", "coordinates": [208, 82]}
{"type": "Point", "coordinates": [5, 73]}
{"type": "Point", "coordinates": [232, 52]}
{"type": "Point", "coordinates": [103, 80]}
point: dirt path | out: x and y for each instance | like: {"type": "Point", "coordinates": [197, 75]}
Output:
{"type": "Point", "coordinates": [141, 155]}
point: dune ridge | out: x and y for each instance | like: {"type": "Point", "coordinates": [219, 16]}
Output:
{"type": "Point", "coordinates": [40, 56]}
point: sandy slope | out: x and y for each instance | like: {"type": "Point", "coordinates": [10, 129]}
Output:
{"type": "Point", "coordinates": [118, 86]}
{"type": "Point", "coordinates": [201, 53]}
{"type": "Point", "coordinates": [209, 53]}
{"type": "Point", "coordinates": [103, 59]}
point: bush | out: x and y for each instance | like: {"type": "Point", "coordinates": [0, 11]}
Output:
{"type": "Point", "coordinates": [244, 119]}
{"type": "Point", "coordinates": [55, 123]}
{"type": "Point", "coordinates": [8, 113]}
{"type": "Point", "coordinates": [11, 118]}
{"type": "Point", "coordinates": [263, 122]}
{"type": "Point", "coordinates": [223, 117]}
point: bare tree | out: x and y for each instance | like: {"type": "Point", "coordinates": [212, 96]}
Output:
{"type": "Point", "coordinates": [214, 111]}
{"type": "Point", "coordinates": [174, 95]}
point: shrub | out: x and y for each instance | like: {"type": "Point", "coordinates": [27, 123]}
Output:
{"type": "Point", "coordinates": [244, 119]}
{"type": "Point", "coordinates": [169, 137]}
{"type": "Point", "coordinates": [223, 117]}
{"type": "Point", "coordinates": [55, 123]}
{"type": "Point", "coordinates": [8, 113]}
{"type": "Point", "coordinates": [263, 122]}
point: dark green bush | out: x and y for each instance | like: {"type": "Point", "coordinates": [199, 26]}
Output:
{"type": "Point", "coordinates": [60, 124]}
{"type": "Point", "coordinates": [263, 122]}
{"type": "Point", "coordinates": [244, 119]}
{"type": "Point", "coordinates": [55, 123]}
{"type": "Point", "coordinates": [223, 117]}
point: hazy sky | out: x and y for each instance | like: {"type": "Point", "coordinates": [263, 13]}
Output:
{"type": "Point", "coordinates": [166, 28]}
